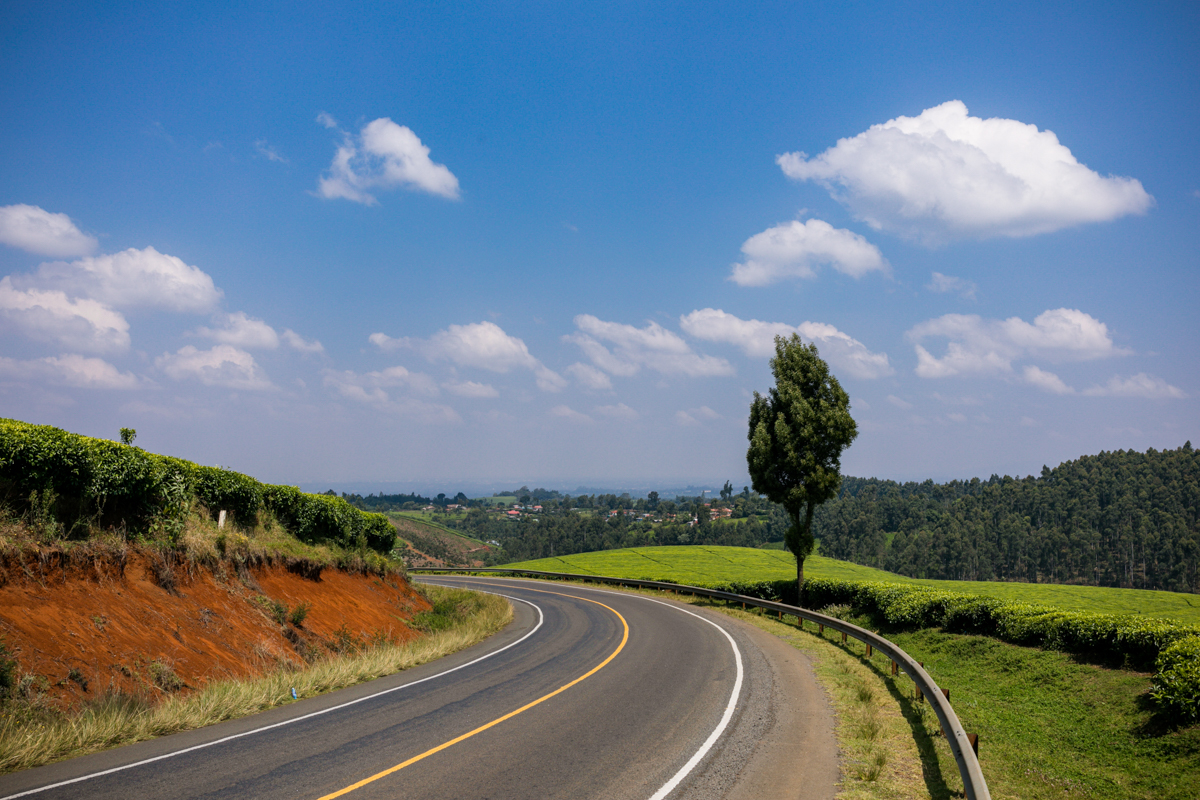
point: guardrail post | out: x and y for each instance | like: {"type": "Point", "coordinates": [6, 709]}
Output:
{"type": "Point", "coordinates": [820, 627]}
{"type": "Point", "coordinates": [843, 637]}
{"type": "Point", "coordinates": [869, 651]}
{"type": "Point", "coordinates": [973, 738]}
{"type": "Point", "coordinates": [895, 668]}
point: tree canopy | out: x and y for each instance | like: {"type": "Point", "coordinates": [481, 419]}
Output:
{"type": "Point", "coordinates": [797, 434]}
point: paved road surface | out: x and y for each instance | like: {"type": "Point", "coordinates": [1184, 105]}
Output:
{"type": "Point", "coordinates": [588, 694]}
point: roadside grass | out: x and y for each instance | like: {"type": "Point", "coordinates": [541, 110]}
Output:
{"type": "Point", "coordinates": [884, 757]}
{"type": "Point", "coordinates": [31, 735]}
{"type": "Point", "coordinates": [700, 565]}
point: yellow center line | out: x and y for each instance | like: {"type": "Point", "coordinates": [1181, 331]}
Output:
{"type": "Point", "coordinates": [509, 715]}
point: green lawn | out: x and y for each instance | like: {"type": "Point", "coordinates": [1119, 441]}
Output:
{"type": "Point", "coordinates": [700, 565]}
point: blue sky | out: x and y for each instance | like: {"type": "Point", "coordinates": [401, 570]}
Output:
{"type": "Point", "coordinates": [550, 243]}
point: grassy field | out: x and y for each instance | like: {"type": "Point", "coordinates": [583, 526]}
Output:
{"type": "Point", "coordinates": [427, 519]}
{"type": "Point", "coordinates": [703, 565]}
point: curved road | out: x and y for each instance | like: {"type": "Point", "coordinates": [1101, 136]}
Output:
{"type": "Point", "coordinates": [588, 693]}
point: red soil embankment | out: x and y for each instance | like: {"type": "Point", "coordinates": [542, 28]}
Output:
{"type": "Point", "coordinates": [109, 625]}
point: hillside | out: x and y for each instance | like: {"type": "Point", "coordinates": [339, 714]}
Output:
{"type": "Point", "coordinates": [1119, 518]}
{"type": "Point", "coordinates": [703, 566]}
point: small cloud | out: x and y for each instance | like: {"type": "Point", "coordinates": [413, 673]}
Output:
{"type": "Point", "coordinates": [1029, 422]}
{"type": "Point", "coordinates": [794, 250]}
{"type": "Point", "coordinates": [133, 278]}
{"type": "Point", "coordinates": [327, 121]}
{"type": "Point", "coordinates": [570, 227]}
{"type": "Point", "coordinates": [483, 345]}
{"type": "Point", "coordinates": [945, 175]}
{"type": "Point", "coordinates": [299, 343]}
{"type": "Point", "coordinates": [1140, 385]}
{"type": "Point", "coordinates": [589, 377]}
{"type": "Point", "coordinates": [213, 145]}
{"type": "Point", "coordinates": [270, 153]}
{"type": "Point", "coordinates": [946, 283]}
{"type": "Point", "coordinates": [69, 370]}
{"type": "Point", "coordinates": [42, 232]}
{"type": "Point", "coordinates": [240, 330]}
{"type": "Point", "coordinates": [989, 347]}
{"type": "Point", "coordinates": [383, 156]}
{"type": "Point", "coordinates": [471, 389]}
{"type": "Point", "coordinates": [619, 411]}
{"type": "Point", "coordinates": [653, 347]}
{"type": "Point", "coordinates": [390, 390]}
{"type": "Point", "coordinates": [568, 413]}
{"type": "Point", "coordinates": [898, 402]}
{"type": "Point", "coordinates": [1046, 381]}
{"type": "Point", "coordinates": [956, 417]}
{"type": "Point", "coordinates": [694, 416]}
{"type": "Point", "coordinates": [51, 316]}
{"type": "Point", "coordinates": [757, 340]}
{"type": "Point", "coordinates": [223, 365]}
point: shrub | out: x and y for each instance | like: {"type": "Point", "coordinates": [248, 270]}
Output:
{"type": "Point", "coordinates": [1177, 678]}
{"type": "Point", "coordinates": [61, 480]}
{"type": "Point", "coordinates": [1130, 639]}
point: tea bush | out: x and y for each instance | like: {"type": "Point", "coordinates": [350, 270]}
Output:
{"type": "Point", "coordinates": [1126, 638]}
{"type": "Point", "coordinates": [96, 481]}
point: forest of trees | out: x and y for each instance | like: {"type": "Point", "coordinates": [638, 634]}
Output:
{"type": "Point", "coordinates": [561, 531]}
{"type": "Point", "coordinates": [1119, 518]}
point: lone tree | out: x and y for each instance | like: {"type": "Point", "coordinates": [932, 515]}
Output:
{"type": "Point", "coordinates": [797, 435]}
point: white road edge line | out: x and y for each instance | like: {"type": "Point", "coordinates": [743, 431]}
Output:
{"type": "Point", "coordinates": [541, 618]}
{"type": "Point", "coordinates": [699, 755]}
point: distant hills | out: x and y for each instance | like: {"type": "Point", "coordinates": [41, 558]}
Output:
{"type": "Point", "coordinates": [1119, 518]}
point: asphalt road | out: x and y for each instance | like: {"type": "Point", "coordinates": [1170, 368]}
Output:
{"type": "Point", "coordinates": [615, 696]}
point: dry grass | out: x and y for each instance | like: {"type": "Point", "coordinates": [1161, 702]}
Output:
{"type": "Point", "coordinates": [30, 736]}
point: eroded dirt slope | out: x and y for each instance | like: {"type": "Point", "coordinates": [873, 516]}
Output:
{"type": "Point", "coordinates": [77, 630]}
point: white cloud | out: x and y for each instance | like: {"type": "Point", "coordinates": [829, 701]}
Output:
{"type": "Point", "coordinates": [43, 233]}
{"type": "Point", "coordinates": [619, 411]}
{"type": "Point", "coordinates": [471, 389]}
{"type": "Point", "coordinates": [899, 402]}
{"type": "Point", "coordinates": [270, 153]}
{"type": "Point", "coordinates": [372, 389]}
{"type": "Point", "coordinates": [653, 347]}
{"type": "Point", "coordinates": [51, 316]}
{"type": "Point", "coordinates": [794, 249]}
{"type": "Point", "coordinates": [241, 331]}
{"type": "Point", "coordinates": [327, 121]}
{"type": "Point", "coordinates": [956, 417]}
{"type": "Point", "coordinates": [222, 365]}
{"type": "Point", "coordinates": [133, 278]}
{"type": "Point", "coordinates": [384, 156]}
{"type": "Point", "coordinates": [757, 340]}
{"type": "Point", "coordinates": [69, 370]}
{"type": "Point", "coordinates": [589, 377]}
{"type": "Point", "coordinates": [568, 413]}
{"type": "Point", "coordinates": [298, 342]}
{"type": "Point", "coordinates": [693, 416]}
{"type": "Point", "coordinates": [988, 347]}
{"type": "Point", "coordinates": [1046, 381]}
{"type": "Point", "coordinates": [1140, 385]}
{"type": "Point", "coordinates": [483, 345]}
{"type": "Point", "coordinates": [948, 283]}
{"type": "Point", "coordinates": [947, 175]}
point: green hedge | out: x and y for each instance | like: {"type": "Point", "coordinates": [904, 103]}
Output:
{"type": "Point", "coordinates": [1173, 648]}
{"type": "Point", "coordinates": [119, 485]}
{"type": "Point", "coordinates": [1177, 678]}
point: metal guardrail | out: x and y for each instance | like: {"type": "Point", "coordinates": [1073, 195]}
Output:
{"type": "Point", "coordinates": [974, 785]}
